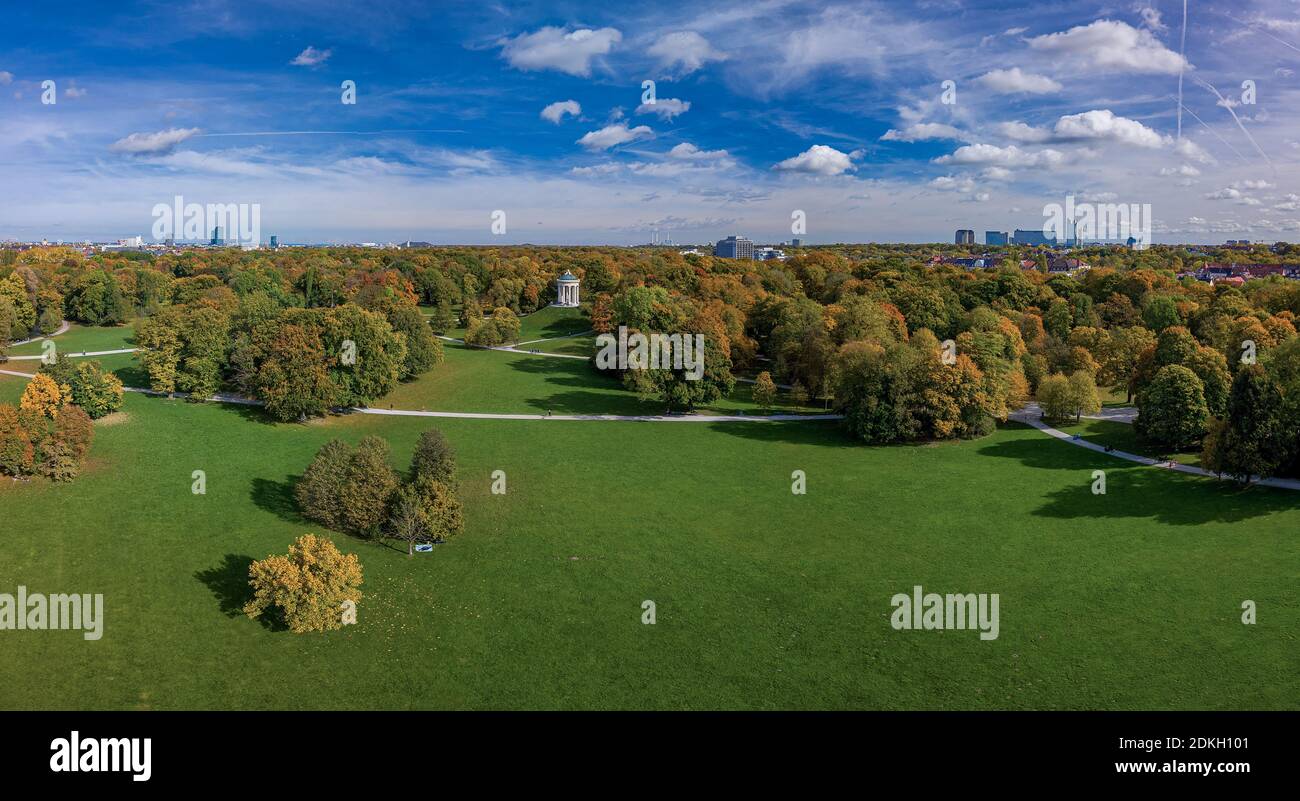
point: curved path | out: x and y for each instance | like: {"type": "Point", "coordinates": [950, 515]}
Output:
{"type": "Point", "coordinates": [1030, 416]}
{"type": "Point", "coordinates": [70, 355]}
{"type": "Point", "coordinates": [63, 329]}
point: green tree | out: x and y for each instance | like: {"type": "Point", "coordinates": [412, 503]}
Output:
{"type": "Point", "coordinates": [434, 458]}
{"type": "Point", "coordinates": [1254, 442]}
{"type": "Point", "coordinates": [1083, 394]}
{"type": "Point", "coordinates": [1172, 410]}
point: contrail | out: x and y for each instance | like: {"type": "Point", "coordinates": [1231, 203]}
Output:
{"type": "Point", "coordinates": [1259, 29]}
{"type": "Point", "coordinates": [1226, 104]}
{"type": "Point", "coordinates": [1216, 134]}
{"type": "Point", "coordinates": [345, 133]}
{"type": "Point", "coordinates": [1182, 48]}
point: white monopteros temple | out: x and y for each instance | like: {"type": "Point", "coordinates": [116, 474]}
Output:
{"type": "Point", "coordinates": [566, 290]}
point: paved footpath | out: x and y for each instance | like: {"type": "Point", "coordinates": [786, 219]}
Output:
{"type": "Point", "coordinates": [1031, 417]}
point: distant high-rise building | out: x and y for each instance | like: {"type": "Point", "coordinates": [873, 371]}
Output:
{"type": "Point", "coordinates": [275, 241]}
{"type": "Point", "coordinates": [734, 247]}
{"type": "Point", "coordinates": [216, 236]}
{"type": "Point", "coordinates": [1033, 236]}
{"type": "Point", "coordinates": [965, 236]}
{"type": "Point", "coordinates": [995, 238]}
{"type": "Point", "coordinates": [795, 243]}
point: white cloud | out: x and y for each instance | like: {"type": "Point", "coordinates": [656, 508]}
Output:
{"type": "Point", "coordinates": [1182, 169]}
{"type": "Point", "coordinates": [613, 135]}
{"type": "Point", "coordinates": [556, 111]}
{"type": "Point", "coordinates": [311, 57]}
{"type": "Point", "coordinates": [1021, 132]}
{"type": "Point", "coordinates": [923, 131]}
{"type": "Point", "coordinates": [684, 52]}
{"type": "Point", "coordinates": [689, 152]}
{"type": "Point", "coordinates": [1190, 150]}
{"type": "Point", "coordinates": [996, 174]}
{"type": "Point", "coordinates": [1151, 19]}
{"type": "Point", "coordinates": [1010, 156]}
{"type": "Point", "coordinates": [665, 107]}
{"type": "Point", "coordinates": [1251, 184]}
{"type": "Point", "coordinates": [1227, 193]}
{"type": "Point", "coordinates": [6, 78]}
{"type": "Point", "coordinates": [152, 144]}
{"type": "Point", "coordinates": [818, 160]}
{"type": "Point", "coordinates": [552, 48]}
{"type": "Point", "coordinates": [953, 183]}
{"type": "Point", "coordinates": [1014, 81]}
{"type": "Point", "coordinates": [1103, 124]}
{"type": "Point", "coordinates": [1111, 45]}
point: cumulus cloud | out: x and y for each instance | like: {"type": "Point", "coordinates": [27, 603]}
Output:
{"type": "Point", "coordinates": [555, 112]}
{"type": "Point", "coordinates": [1021, 132]}
{"type": "Point", "coordinates": [1009, 156]}
{"type": "Point", "coordinates": [684, 52]}
{"type": "Point", "coordinates": [923, 131]}
{"type": "Point", "coordinates": [6, 78]}
{"type": "Point", "coordinates": [689, 152]}
{"type": "Point", "coordinates": [614, 135]}
{"type": "Point", "coordinates": [818, 160]}
{"type": "Point", "coordinates": [152, 144]}
{"type": "Point", "coordinates": [1103, 124]}
{"type": "Point", "coordinates": [1013, 81]}
{"type": "Point", "coordinates": [1112, 45]}
{"type": "Point", "coordinates": [1183, 169]}
{"type": "Point", "coordinates": [665, 107]}
{"type": "Point", "coordinates": [311, 57]}
{"type": "Point", "coordinates": [552, 48]}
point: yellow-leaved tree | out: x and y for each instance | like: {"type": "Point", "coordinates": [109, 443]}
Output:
{"type": "Point", "coordinates": [45, 396]}
{"type": "Point", "coordinates": [313, 588]}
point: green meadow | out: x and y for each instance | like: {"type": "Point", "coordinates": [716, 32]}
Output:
{"type": "Point", "coordinates": [764, 599]}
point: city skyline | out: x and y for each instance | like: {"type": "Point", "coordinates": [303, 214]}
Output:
{"type": "Point", "coordinates": [837, 111]}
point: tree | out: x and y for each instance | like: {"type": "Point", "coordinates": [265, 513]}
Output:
{"type": "Point", "coordinates": [409, 520]}
{"type": "Point", "coordinates": [321, 486]}
{"type": "Point", "coordinates": [1083, 394]}
{"type": "Point", "coordinates": [434, 458]}
{"type": "Point", "coordinates": [44, 396]}
{"type": "Point", "coordinates": [442, 508]}
{"type": "Point", "coordinates": [1254, 442]}
{"type": "Point", "coordinates": [423, 350]}
{"type": "Point", "coordinates": [1055, 397]}
{"type": "Point", "coordinates": [13, 294]}
{"type": "Point", "coordinates": [349, 489]}
{"type": "Point", "coordinates": [17, 453]}
{"type": "Point", "coordinates": [160, 346]}
{"type": "Point", "coordinates": [95, 298]}
{"type": "Point", "coordinates": [292, 379]}
{"type": "Point", "coordinates": [97, 393]}
{"type": "Point", "coordinates": [1172, 410]}
{"type": "Point", "coordinates": [309, 588]}
{"type": "Point", "coordinates": [764, 390]}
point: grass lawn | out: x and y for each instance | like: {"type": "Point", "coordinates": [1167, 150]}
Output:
{"type": "Point", "coordinates": [1121, 436]}
{"type": "Point", "coordinates": [764, 599]}
{"type": "Point", "coordinates": [81, 338]}
{"type": "Point", "coordinates": [478, 380]}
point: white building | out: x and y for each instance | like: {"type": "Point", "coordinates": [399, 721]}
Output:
{"type": "Point", "coordinates": [566, 290]}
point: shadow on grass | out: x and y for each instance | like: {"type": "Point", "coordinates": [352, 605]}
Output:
{"type": "Point", "coordinates": [827, 433]}
{"type": "Point", "coordinates": [277, 497]}
{"type": "Point", "coordinates": [228, 582]}
{"type": "Point", "coordinates": [1135, 490]}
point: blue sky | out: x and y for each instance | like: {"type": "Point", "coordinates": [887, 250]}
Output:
{"type": "Point", "coordinates": [762, 108]}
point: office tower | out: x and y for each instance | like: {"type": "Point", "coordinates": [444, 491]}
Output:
{"type": "Point", "coordinates": [965, 236]}
{"type": "Point", "coordinates": [734, 247]}
{"type": "Point", "coordinates": [996, 238]}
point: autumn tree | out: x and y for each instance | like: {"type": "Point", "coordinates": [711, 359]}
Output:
{"type": "Point", "coordinates": [44, 396]}
{"type": "Point", "coordinates": [308, 589]}
{"type": "Point", "coordinates": [764, 390]}
{"type": "Point", "coordinates": [1172, 410]}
